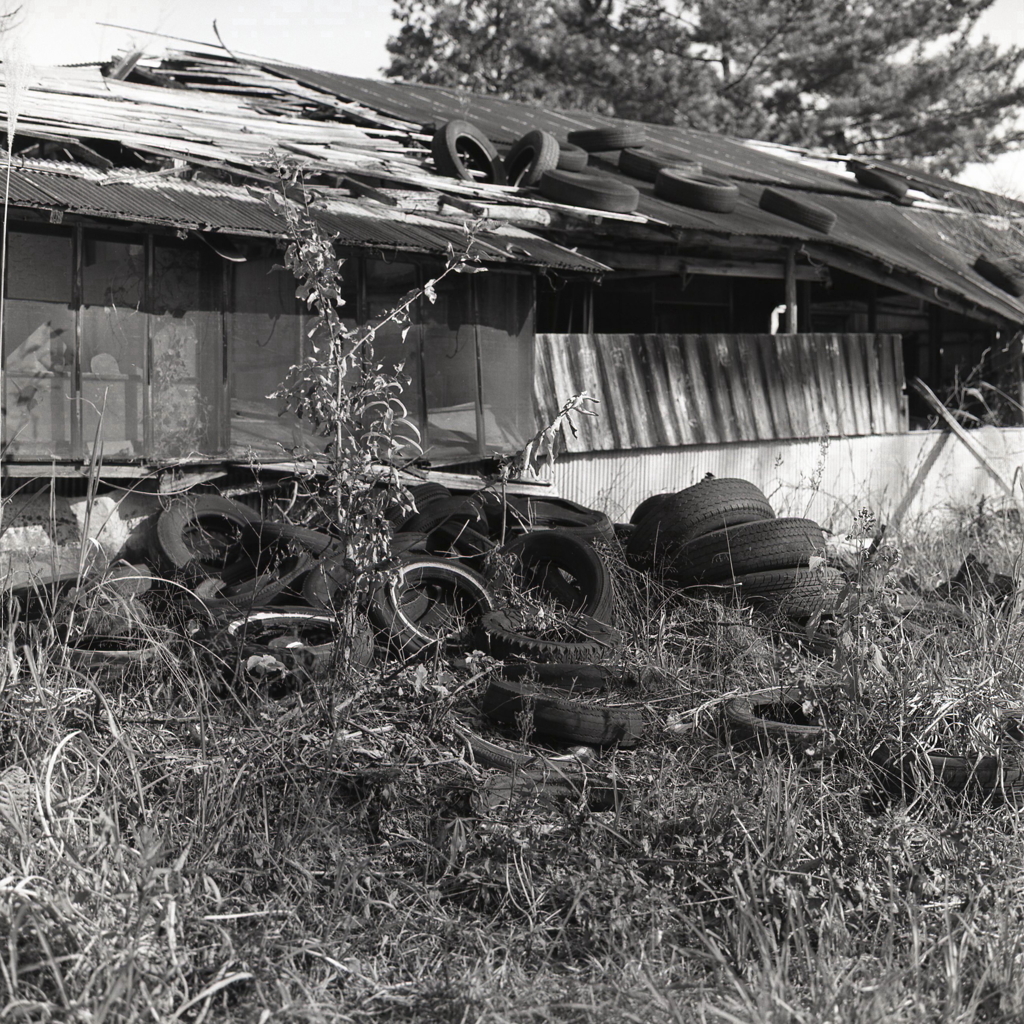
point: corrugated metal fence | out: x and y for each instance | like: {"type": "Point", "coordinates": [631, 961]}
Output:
{"type": "Point", "coordinates": [662, 390]}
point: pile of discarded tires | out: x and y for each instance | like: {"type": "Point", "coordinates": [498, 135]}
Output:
{"type": "Point", "coordinates": [722, 534]}
{"type": "Point", "coordinates": [273, 587]}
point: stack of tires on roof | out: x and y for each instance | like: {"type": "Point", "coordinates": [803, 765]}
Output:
{"type": "Point", "coordinates": [561, 172]}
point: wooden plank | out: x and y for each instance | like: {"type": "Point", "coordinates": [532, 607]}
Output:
{"type": "Point", "coordinates": [879, 399]}
{"type": "Point", "coordinates": [822, 351]}
{"type": "Point", "coordinates": [749, 356]}
{"type": "Point", "coordinates": [890, 347]}
{"type": "Point", "coordinates": [690, 426]}
{"type": "Point", "coordinates": [691, 345]}
{"type": "Point", "coordinates": [717, 386]}
{"type": "Point", "coordinates": [633, 380]}
{"type": "Point", "coordinates": [901, 380]}
{"type": "Point", "coordinates": [586, 355]}
{"type": "Point", "coordinates": [664, 410]}
{"type": "Point", "coordinates": [839, 383]}
{"type": "Point", "coordinates": [848, 379]}
{"type": "Point", "coordinates": [796, 387]}
{"type": "Point", "coordinates": [775, 385]}
{"type": "Point", "coordinates": [563, 386]}
{"type": "Point", "coordinates": [738, 376]}
{"type": "Point", "coordinates": [611, 354]}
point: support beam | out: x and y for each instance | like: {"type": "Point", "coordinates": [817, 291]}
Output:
{"type": "Point", "coordinates": [655, 263]}
{"type": "Point", "coordinates": [792, 319]}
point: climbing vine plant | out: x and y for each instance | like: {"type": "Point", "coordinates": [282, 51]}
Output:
{"type": "Point", "coordinates": [341, 390]}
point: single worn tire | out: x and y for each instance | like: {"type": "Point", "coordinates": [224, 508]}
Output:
{"type": "Point", "coordinates": [869, 177]}
{"type": "Point", "coordinates": [451, 589]}
{"type": "Point", "coordinates": [460, 148]}
{"type": "Point", "coordinates": [571, 158]}
{"type": "Point", "coordinates": [555, 715]}
{"type": "Point", "coordinates": [567, 569]}
{"type": "Point", "coordinates": [646, 165]}
{"type": "Point", "coordinates": [201, 533]}
{"type": "Point", "coordinates": [599, 140]}
{"type": "Point", "coordinates": [698, 191]}
{"type": "Point", "coordinates": [535, 153]}
{"type": "Point", "coordinates": [904, 776]}
{"type": "Point", "coordinates": [776, 718]}
{"type": "Point", "coordinates": [761, 546]}
{"type": "Point", "coordinates": [800, 211]}
{"type": "Point", "coordinates": [795, 593]}
{"type": "Point", "coordinates": [1001, 276]}
{"type": "Point", "coordinates": [593, 191]}
{"type": "Point", "coordinates": [592, 640]}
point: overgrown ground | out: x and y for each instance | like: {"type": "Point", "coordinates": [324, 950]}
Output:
{"type": "Point", "coordinates": [186, 851]}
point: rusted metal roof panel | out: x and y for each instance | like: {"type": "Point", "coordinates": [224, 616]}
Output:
{"type": "Point", "coordinates": [227, 208]}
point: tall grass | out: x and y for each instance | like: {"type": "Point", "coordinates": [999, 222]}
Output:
{"type": "Point", "coordinates": [175, 848]}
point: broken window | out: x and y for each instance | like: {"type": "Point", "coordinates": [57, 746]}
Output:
{"type": "Point", "coordinates": [39, 345]}
{"type": "Point", "coordinates": [188, 350]}
{"type": "Point", "coordinates": [113, 352]}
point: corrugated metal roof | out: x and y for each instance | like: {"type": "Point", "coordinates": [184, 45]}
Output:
{"type": "Point", "coordinates": [899, 237]}
{"type": "Point", "coordinates": [212, 206]}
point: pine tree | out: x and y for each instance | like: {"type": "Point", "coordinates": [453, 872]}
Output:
{"type": "Point", "coordinates": [902, 80]}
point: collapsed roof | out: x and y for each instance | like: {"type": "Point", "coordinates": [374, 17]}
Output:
{"type": "Point", "coordinates": [188, 138]}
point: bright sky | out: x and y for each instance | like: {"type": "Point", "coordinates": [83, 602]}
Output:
{"type": "Point", "coordinates": [346, 36]}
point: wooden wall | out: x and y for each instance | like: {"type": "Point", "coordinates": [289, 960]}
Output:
{"type": "Point", "coordinates": [663, 390]}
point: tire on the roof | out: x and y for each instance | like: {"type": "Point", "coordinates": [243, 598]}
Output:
{"type": "Point", "coordinates": [595, 192]}
{"type": "Point", "coordinates": [571, 158]}
{"type": "Point", "coordinates": [698, 191]}
{"type": "Point", "coordinates": [1001, 276]}
{"type": "Point", "coordinates": [535, 153]}
{"type": "Point", "coordinates": [459, 148]}
{"type": "Point", "coordinates": [798, 210]}
{"type": "Point", "coordinates": [869, 177]}
{"type": "Point", "coordinates": [599, 140]}
{"type": "Point", "coordinates": [646, 165]}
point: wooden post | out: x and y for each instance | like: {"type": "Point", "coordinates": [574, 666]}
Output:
{"type": "Point", "coordinates": [791, 307]}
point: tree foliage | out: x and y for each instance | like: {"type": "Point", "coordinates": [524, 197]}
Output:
{"type": "Point", "coordinates": [903, 79]}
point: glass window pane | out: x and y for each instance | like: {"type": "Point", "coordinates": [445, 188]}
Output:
{"type": "Point", "coordinates": [188, 351]}
{"type": "Point", "coordinates": [505, 337]}
{"type": "Point", "coordinates": [39, 345]}
{"type": "Point", "coordinates": [450, 385]}
{"type": "Point", "coordinates": [264, 332]}
{"type": "Point", "coordinates": [113, 355]}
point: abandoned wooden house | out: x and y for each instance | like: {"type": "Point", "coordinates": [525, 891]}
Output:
{"type": "Point", "coordinates": [146, 321]}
